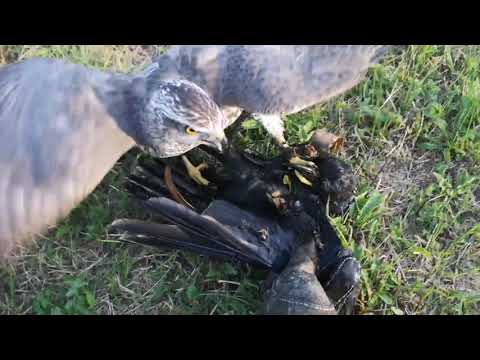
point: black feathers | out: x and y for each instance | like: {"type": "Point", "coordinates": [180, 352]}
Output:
{"type": "Point", "coordinates": [251, 217]}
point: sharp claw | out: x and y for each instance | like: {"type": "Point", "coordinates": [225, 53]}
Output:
{"type": "Point", "coordinates": [201, 167]}
{"type": "Point", "coordinates": [303, 179]}
{"type": "Point", "coordinates": [288, 182]}
{"type": "Point", "coordinates": [306, 170]}
{"type": "Point", "coordinates": [195, 171]}
{"type": "Point", "coordinates": [296, 160]}
{"type": "Point", "coordinates": [304, 166]}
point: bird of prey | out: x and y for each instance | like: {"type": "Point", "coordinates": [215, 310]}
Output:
{"type": "Point", "coordinates": [268, 81]}
{"type": "Point", "coordinates": [257, 217]}
{"type": "Point", "coordinates": [63, 127]}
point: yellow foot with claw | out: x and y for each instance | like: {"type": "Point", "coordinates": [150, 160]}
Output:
{"type": "Point", "coordinates": [303, 166]}
{"type": "Point", "coordinates": [295, 160]}
{"type": "Point", "coordinates": [195, 171]}
{"type": "Point", "coordinates": [303, 179]}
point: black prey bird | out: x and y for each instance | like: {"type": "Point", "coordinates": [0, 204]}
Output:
{"type": "Point", "coordinates": [258, 214]}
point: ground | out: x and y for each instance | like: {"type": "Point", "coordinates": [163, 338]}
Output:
{"type": "Point", "coordinates": [412, 133]}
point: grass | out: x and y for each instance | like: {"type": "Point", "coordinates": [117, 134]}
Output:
{"type": "Point", "coordinates": [413, 137]}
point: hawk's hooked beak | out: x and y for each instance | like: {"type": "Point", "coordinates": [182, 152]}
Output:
{"type": "Point", "coordinates": [219, 142]}
{"type": "Point", "coordinates": [223, 144]}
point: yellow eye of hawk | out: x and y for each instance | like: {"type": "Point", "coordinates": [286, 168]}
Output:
{"type": "Point", "coordinates": [190, 131]}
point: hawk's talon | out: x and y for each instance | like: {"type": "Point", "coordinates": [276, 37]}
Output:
{"type": "Point", "coordinates": [307, 167]}
{"type": "Point", "coordinates": [195, 171]}
{"type": "Point", "coordinates": [298, 161]}
{"type": "Point", "coordinates": [303, 179]}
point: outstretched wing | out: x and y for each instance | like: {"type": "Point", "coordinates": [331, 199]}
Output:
{"type": "Point", "coordinates": [172, 237]}
{"type": "Point", "coordinates": [57, 141]}
{"type": "Point", "coordinates": [223, 230]}
{"type": "Point", "coordinates": [205, 65]}
{"type": "Point", "coordinates": [274, 78]}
